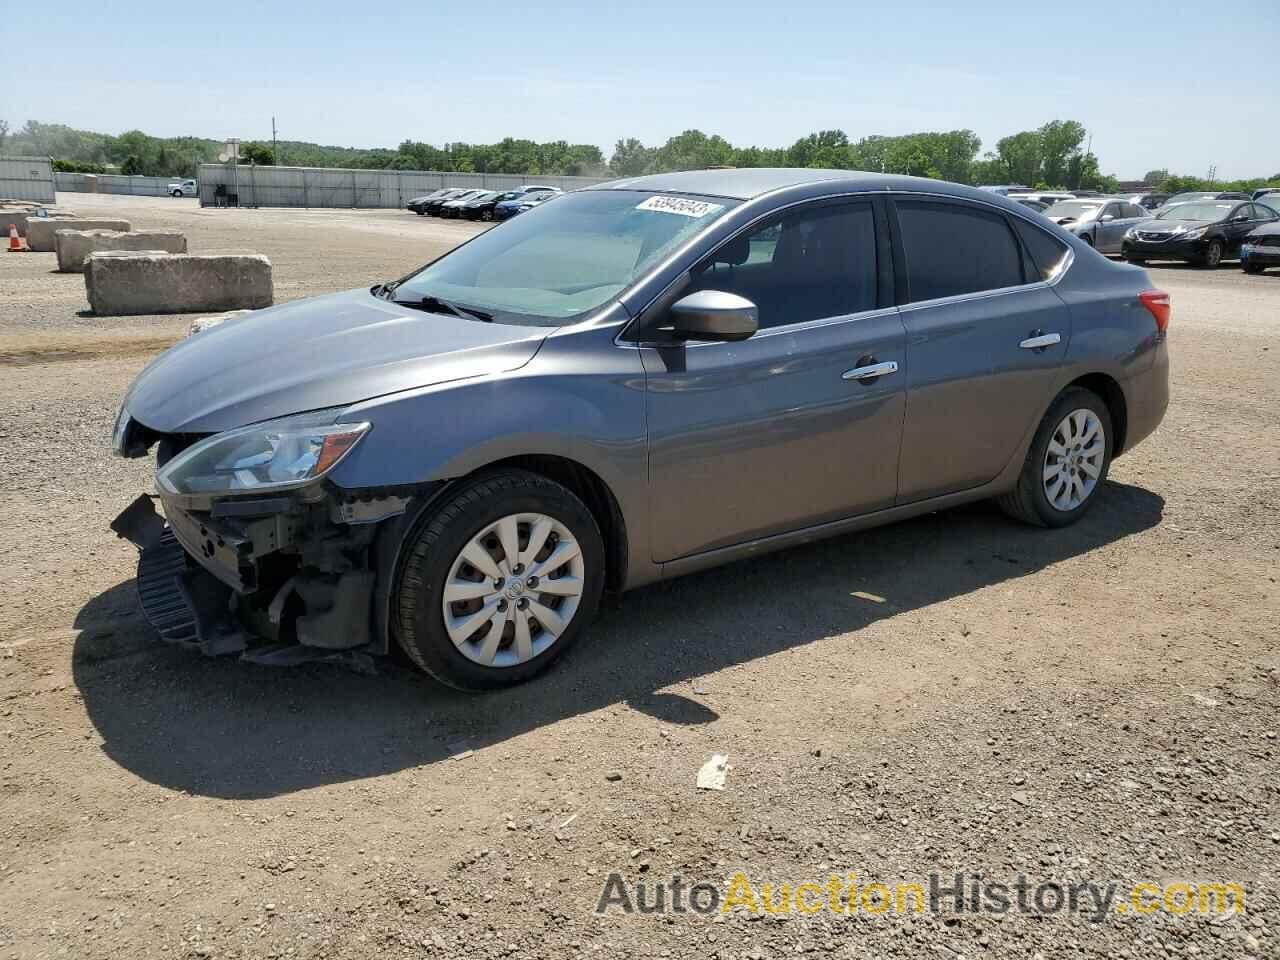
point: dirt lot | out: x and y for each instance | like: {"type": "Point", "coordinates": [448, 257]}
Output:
{"type": "Point", "coordinates": [952, 694]}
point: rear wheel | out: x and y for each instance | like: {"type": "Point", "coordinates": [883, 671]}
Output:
{"type": "Point", "coordinates": [486, 215]}
{"type": "Point", "coordinates": [1252, 268]}
{"type": "Point", "coordinates": [499, 581]}
{"type": "Point", "coordinates": [176, 193]}
{"type": "Point", "coordinates": [1067, 463]}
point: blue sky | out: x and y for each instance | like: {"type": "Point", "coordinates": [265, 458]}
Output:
{"type": "Point", "coordinates": [1151, 83]}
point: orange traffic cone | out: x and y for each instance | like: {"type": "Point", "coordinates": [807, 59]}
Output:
{"type": "Point", "coordinates": [15, 244]}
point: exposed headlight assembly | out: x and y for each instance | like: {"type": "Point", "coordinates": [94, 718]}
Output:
{"type": "Point", "coordinates": [1194, 234]}
{"type": "Point", "coordinates": [276, 455]}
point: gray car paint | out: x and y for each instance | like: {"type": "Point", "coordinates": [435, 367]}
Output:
{"type": "Point", "coordinates": [459, 395]}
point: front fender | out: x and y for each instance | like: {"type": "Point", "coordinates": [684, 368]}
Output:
{"type": "Point", "coordinates": [581, 399]}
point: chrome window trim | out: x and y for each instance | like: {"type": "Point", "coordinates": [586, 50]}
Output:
{"type": "Point", "coordinates": [767, 332]}
{"type": "Point", "coordinates": [868, 195]}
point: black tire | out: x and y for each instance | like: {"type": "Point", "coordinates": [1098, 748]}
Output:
{"type": "Point", "coordinates": [439, 537]}
{"type": "Point", "coordinates": [1212, 255]}
{"type": "Point", "coordinates": [1137, 261]}
{"type": "Point", "coordinates": [1253, 269]}
{"type": "Point", "coordinates": [486, 215]}
{"type": "Point", "coordinates": [1028, 501]}
{"type": "Point", "coordinates": [176, 193]}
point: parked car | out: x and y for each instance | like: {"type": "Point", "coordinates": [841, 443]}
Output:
{"type": "Point", "coordinates": [1101, 223]}
{"type": "Point", "coordinates": [1004, 189]}
{"type": "Point", "coordinates": [183, 188]}
{"type": "Point", "coordinates": [1192, 196]}
{"type": "Point", "coordinates": [1261, 248]}
{"type": "Point", "coordinates": [638, 380]}
{"type": "Point", "coordinates": [526, 201]}
{"type": "Point", "coordinates": [419, 204]}
{"type": "Point", "coordinates": [1035, 205]}
{"type": "Point", "coordinates": [1049, 197]}
{"type": "Point", "coordinates": [453, 208]}
{"type": "Point", "coordinates": [1203, 232]}
{"type": "Point", "coordinates": [1149, 201]}
{"type": "Point", "coordinates": [481, 208]}
{"type": "Point", "coordinates": [434, 207]}
{"type": "Point", "coordinates": [1268, 195]}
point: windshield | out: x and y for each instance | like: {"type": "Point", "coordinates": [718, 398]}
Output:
{"type": "Point", "coordinates": [1203, 210]}
{"type": "Point", "coordinates": [1072, 208]}
{"type": "Point", "coordinates": [563, 259]}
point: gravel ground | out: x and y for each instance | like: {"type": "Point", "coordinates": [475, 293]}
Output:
{"type": "Point", "coordinates": [954, 693]}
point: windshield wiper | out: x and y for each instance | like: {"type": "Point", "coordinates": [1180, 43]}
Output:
{"type": "Point", "coordinates": [436, 305]}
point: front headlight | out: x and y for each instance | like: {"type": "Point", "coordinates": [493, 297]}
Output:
{"type": "Point", "coordinates": [277, 455]}
{"type": "Point", "coordinates": [1194, 234]}
{"type": "Point", "coordinates": [1131, 233]}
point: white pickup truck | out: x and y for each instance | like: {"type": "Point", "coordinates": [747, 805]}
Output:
{"type": "Point", "coordinates": [182, 188]}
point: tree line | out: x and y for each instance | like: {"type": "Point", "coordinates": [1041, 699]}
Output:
{"type": "Point", "coordinates": [1054, 155]}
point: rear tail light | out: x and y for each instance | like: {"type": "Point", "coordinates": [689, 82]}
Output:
{"type": "Point", "coordinates": [1157, 301]}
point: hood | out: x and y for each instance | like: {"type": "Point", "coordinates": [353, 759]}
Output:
{"type": "Point", "coordinates": [321, 352]}
{"type": "Point", "coordinates": [1170, 225]}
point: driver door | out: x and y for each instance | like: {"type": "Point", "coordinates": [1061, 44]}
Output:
{"type": "Point", "coordinates": [782, 430]}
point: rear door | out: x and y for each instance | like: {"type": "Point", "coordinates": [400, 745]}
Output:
{"type": "Point", "coordinates": [986, 334]}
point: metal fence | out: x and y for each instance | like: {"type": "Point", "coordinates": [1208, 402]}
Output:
{"type": "Point", "coordinates": [26, 178]}
{"type": "Point", "coordinates": [114, 183]}
{"type": "Point", "coordinates": [252, 186]}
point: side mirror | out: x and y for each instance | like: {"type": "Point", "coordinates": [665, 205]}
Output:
{"type": "Point", "coordinates": [713, 315]}
{"type": "Point", "coordinates": [1108, 217]}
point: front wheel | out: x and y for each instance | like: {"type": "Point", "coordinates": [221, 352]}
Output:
{"type": "Point", "coordinates": [499, 581]}
{"type": "Point", "coordinates": [1067, 463]}
{"type": "Point", "coordinates": [1252, 268]}
{"type": "Point", "coordinates": [176, 193]}
{"type": "Point", "coordinates": [1212, 255]}
{"type": "Point", "coordinates": [486, 215]}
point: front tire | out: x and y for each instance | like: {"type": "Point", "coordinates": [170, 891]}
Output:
{"type": "Point", "coordinates": [176, 193]}
{"type": "Point", "coordinates": [1212, 255]}
{"type": "Point", "coordinates": [1067, 463]}
{"type": "Point", "coordinates": [499, 581]}
{"type": "Point", "coordinates": [486, 215]}
{"type": "Point", "coordinates": [1253, 269]}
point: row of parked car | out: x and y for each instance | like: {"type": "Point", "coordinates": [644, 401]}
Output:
{"type": "Point", "coordinates": [1200, 227]}
{"type": "Point", "coordinates": [478, 204]}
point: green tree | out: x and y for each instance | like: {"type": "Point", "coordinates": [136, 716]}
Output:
{"type": "Point", "coordinates": [1060, 141]}
{"type": "Point", "coordinates": [1021, 156]}
{"type": "Point", "coordinates": [256, 153]}
{"type": "Point", "coordinates": [1154, 178]}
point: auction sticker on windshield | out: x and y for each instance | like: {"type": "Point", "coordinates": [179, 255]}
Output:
{"type": "Point", "coordinates": [680, 205]}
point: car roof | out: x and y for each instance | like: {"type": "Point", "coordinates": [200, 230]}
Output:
{"type": "Point", "coordinates": [750, 182]}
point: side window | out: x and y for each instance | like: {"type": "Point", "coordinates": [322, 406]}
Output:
{"type": "Point", "coordinates": [1267, 208]}
{"type": "Point", "coordinates": [1047, 253]}
{"type": "Point", "coordinates": [809, 265]}
{"type": "Point", "coordinates": [953, 249]}
{"type": "Point", "coordinates": [1132, 211]}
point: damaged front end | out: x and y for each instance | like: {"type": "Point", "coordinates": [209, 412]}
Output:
{"type": "Point", "coordinates": [255, 553]}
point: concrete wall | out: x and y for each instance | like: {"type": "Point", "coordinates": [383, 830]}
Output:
{"type": "Point", "coordinates": [120, 283]}
{"type": "Point", "coordinates": [73, 246]}
{"type": "Point", "coordinates": [116, 183]}
{"type": "Point", "coordinates": [26, 178]}
{"type": "Point", "coordinates": [326, 187]}
{"type": "Point", "coordinates": [40, 231]}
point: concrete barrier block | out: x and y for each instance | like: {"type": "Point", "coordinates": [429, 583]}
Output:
{"type": "Point", "coordinates": [72, 246]}
{"type": "Point", "coordinates": [40, 231]}
{"type": "Point", "coordinates": [120, 283]}
{"type": "Point", "coordinates": [18, 214]}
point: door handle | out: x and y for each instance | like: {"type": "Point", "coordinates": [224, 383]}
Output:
{"type": "Point", "coordinates": [1040, 341]}
{"type": "Point", "coordinates": [871, 371]}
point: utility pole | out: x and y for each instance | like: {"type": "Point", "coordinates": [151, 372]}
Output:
{"type": "Point", "coordinates": [275, 150]}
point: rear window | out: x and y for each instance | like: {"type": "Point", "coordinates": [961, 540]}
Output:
{"type": "Point", "coordinates": [953, 250]}
{"type": "Point", "coordinates": [1047, 253]}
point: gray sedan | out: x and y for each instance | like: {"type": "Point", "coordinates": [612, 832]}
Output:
{"type": "Point", "coordinates": [645, 378]}
{"type": "Point", "coordinates": [1100, 222]}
